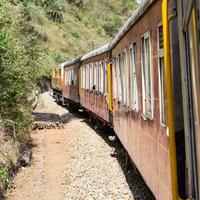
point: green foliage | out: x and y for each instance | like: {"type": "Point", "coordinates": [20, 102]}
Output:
{"type": "Point", "coordinates": [112, 26]}
{"type": "Point", "coordinates": [58, 57]}
{"type": "Point", "coordinates": [30, 44]}
{"type": "Point", "coordinates": [78, 3]}
{"type": "Point", "coordinates": [19, 71]}
{"type": "Point", "coordinates": [34, 13]}
{"type": "Point", "coordinates": [4, 175]}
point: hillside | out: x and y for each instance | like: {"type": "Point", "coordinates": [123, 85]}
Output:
{"type": "Point", "coordinates": [69, 28]}
{"type": "Point", "coordinates": [34, 36]}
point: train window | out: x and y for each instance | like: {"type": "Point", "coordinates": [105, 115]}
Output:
{"type": "Point", "coordinates": [133, 67]}
{"type": "Point", "coordinates": [80, 73]}
{"type": "Point", "coordinates": [72, 77]}
{"type": "Point", "coordinates": [87, 77]}
{"type": "Point", "coordinates": [97, 73]}
{"type": "Point", "coordinates": [95, 87]}
{"type": "Point", "coordinates": [105, 77]}
{"type": "Point", "coordinates": [68, 77]}
{"type": "Point", "coordinates": [65, 77]}
{"type": "Point", "coordinates": [123, 73]}
{"type": "Point", "coordinates": [126, 76]}
{"type": "Point", "coordinates": [91, 76]}
{"type": "Point", "coordinates": [81, 79]}
{"type": "Point", "coordinates": [161, 75]}
{"type": "Point", "coordinates": [114, 78]}
{"type": "Point", "coordinates": [147, 76]}
{"type": "Point", "coordinates": [75, 77]}
{"type": "Point", "coordinates": [88, 73]}
{"type": "Point", "coordinates": [101, 78]}
{"type": "Point", "coordinates": [84, 77]}
{"type": "Point", "coordinates": [119, 78]}
{"type": "Point", "coordinates": [84, 85]}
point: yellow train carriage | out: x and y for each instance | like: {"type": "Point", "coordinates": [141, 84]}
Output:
{"type": "Point", "coordinates": [58, 82]}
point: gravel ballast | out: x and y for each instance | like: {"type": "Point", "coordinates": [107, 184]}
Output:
{"type": "Point", "coordinates": [92, 172]}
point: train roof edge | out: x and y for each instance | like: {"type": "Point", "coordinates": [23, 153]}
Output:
{"type": "Point", "coordinates": [96, 52]}
{"type": "Point", "coordinates": [75, 60]}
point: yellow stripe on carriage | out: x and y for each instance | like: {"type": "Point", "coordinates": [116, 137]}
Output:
{"type": "Point", "coordinates": [169, 100]}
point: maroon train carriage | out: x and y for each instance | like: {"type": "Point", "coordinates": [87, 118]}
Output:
{"type": "Point", "coordinates": [138, 96]}
{"type": "Point", "coordinates": [93, 84]}
{"type": "Point", "coordinates": [71, 82]}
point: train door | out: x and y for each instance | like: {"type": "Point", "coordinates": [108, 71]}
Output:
{"type": "Point", "coordinates": [190, 69]}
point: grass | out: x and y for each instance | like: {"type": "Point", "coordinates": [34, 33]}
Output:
{"type": "Point", "coordinates": [86, 25]}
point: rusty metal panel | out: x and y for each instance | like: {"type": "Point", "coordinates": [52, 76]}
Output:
{"type": "Point", "coordinates": [71, 92]}
{"type": "Point", "coordinates": [96, 103]}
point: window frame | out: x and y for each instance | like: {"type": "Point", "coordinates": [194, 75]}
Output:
{"type": "Point", "coordinates": [147, 114]}
{"type": "Point", "coordinates": [119, 79]}
{"type": "Point", "coordinates": [161, 75]}
{"type": "Point", "coordinates": [134, 79]}
{"type": "Point", "coordinates": [105, 83]}
{"type": "Point", "coordinates": [101, 78]}
{"type": "Point", "coordinates": [85, 72]}
{"type": "Point", "coordinates": [114, 77]}
{"type": "Point", "coordinates": [125, 76]}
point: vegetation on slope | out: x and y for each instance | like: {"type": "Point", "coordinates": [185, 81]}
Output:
{"type": "Point", "coordinates": [69, 28]}
{"type": "Point", "coordinates": [35, 35]}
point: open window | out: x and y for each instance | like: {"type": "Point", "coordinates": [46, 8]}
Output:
{"type": "Point", "coordinates": [114, 78]}
{"type": "Point", "coordinates": [134, 86]}
{"type": "Point", "coordinates": [72, 77]}
{"type": "Point", "coordinates": [161, 75]}
{"type": "Point", "coordinates": [147, 77]}
{"type": "Point", "coordinates": [94, 86]}
{"type": "Point", "coordinates": [101, 78]}
{"type": "Point", "coordinates": [91, 76]}
{"type": "Point", "coordinates": [123, 73]}
{"type": "Point", "coordinates": [119, 78]}
{"type": "Point", "coordinates": [105, 77]}
{"type": "Point", "coordinates": [65, 77]}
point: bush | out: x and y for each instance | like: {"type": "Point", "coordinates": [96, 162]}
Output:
{"type": "Point", "coordinates": [78, 3]}
{"type": "Point", "coordinates": [19, 71]}
{"type": "Point", "coordinates": [112, 26]}
{"type": "Point", "coordinates": [34, 13]}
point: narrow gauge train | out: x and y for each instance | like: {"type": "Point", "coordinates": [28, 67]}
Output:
{"type": "Point", "coordinates": [146, 85]}
{"type": "Point", "coordinates": [57, 82]}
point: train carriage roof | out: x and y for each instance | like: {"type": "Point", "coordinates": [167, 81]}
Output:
{"type": "Point", "coordinates": [96, 52]}
{"type": "Point", "coordinates": [131, 21]}
{"type": "Point", "coordinates": [68, 63]}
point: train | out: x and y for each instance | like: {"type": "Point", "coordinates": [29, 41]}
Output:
{"type": "Point", "coordinates": [145, 84]}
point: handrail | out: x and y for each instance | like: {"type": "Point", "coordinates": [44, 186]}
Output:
{"type": "Point", "coordinates": [169, 100]}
